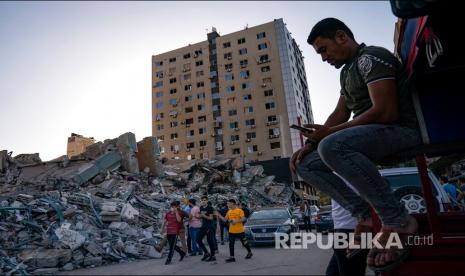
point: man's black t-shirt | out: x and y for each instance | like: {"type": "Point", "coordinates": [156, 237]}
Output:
{"type": "Point", "coordinates": [206, 223]}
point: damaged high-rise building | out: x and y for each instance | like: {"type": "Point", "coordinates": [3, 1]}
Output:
{"type": "Point", "coordinates": [234, 95]}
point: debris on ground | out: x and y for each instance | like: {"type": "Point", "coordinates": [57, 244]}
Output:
{"type": "Point", "coordinates": [105, 205]}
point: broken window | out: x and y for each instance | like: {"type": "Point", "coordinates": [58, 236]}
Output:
{"type": "Point", "coordinates": [199, 73]}
{"type": "Point", "coordinates": [200, 107]}
{"type": "Point", "coordinates": [269, 105]}
{"type": "Point", "coordinates": [237, 151]}
{"type": "Point", "coordinates": [246, 85]}
{"type": "Point", "coordinates": [203, 143]}
{"type": "Point", "coordinates": [188, 98]}
{"type": "Point", "coordinates": [228, 55]}
{"type": "Point", "coordinates": [173, 91]}
{"type": "Point", "coordinates": [160, 127]}
{"type": "Point", "coordinates": [199, 63]}
{"type": "Point", "coordinates": [230, 88]}
{"type": "Point", "coordinates": [244, 63]}
{"type": "Point", "coordinates": [159, 116]}
{"type": "Point", "coordinates": [234, 125]}
{"type": "Point", "coordinates": [228, 67]}
{"type": "Point", "coordinates": [247, 97]}
{"type": "Point", "coordinates": [174, 135]}
{"type": "Point", "coordinates": [250, 122]}
{"type": "Point", "coordinates": [265, 68]}
{"type": "Point", "coordinates": [188, 87]}
{"type": "Point", "coordinates": [275, 145]}
{"type": "Point", "coordinates": [188, 109]}
{"type": "Point", "coordinates": [188, 55]}
{"type": "Point", "coordinates": [198, 53]}
{"type": "Point", "coordinates": [202, 130]}
{"type": "Point", "coordinates": [173, 80]}
{"type": "Point", "coordinates": [245, 74]}
{"type": "Point", "coordinates": [248, 109]}
{"type": "Point", "coordinates": [159, 74]}
{"type": "Point", "coordinates": [200, 84]}
{"type": "Point", "coordinates": [173, 102]}
{"type": "Point", "coordinates": [262, 46]}
{"type": "Point", "coordinates": [189, 121]}
{"type": "Point", "coordinates": [171, 60]}
{"type": "Point", "coordinates": [272, 118]}
{"type": "Point", "coordinates": [234, 138]}
{"type": "Point", "coordinates": [226, 44]}
{"type": "Point", "coordinates": [158, 84]}
{"type": "Point", "coordinates": [251, 135]}
{"type": "Point", "coordinates": [202, 118]}
{"type": "Point", "coordinates": [241, 40]}
{"type": "Point", "coordinates": [274, 131]}
{"type": "Point", "coordinates": [261, 35]}
{"type": "Point", "coordinates": [263, 58]}
{"type": "Point", "coordinates": [268, 93]}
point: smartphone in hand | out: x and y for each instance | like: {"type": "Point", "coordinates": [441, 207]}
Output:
{"type": "Point", "coordinates": [309, 130]}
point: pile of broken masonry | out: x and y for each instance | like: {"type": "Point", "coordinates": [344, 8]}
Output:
{"type": "Point", "coordinates": [98, 208]}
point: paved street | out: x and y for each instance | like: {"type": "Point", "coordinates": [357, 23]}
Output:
{"type": "Point", "coordinates": [266, 261]}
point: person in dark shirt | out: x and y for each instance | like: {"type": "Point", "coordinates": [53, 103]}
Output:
{"type": "Point", "coordinates": [374, 118]}
{"type": "Point", "coordinates": [245, 209]}
{"type": "Point", "coordinates": [223, 224]}
{"type": "Point", "coordinates": [206, 214]}
{"type": "Point", "coordinates": [173, 224]}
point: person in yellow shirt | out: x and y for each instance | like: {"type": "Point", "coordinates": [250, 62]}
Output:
{"type": "Point", "coordinates": [235, 216]}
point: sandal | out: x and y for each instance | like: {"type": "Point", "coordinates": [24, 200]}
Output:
{"type": "Point", "coordinates": [393, 256]}
{"type": "Point", "coordinates": [359, 229]}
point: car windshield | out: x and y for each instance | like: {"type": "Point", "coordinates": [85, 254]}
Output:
{"type": "Point", "coordinates": [405, 180]}
{"type": "Point", "coordinates": [269, 214]}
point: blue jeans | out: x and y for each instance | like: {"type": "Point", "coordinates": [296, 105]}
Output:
{"type": "Point", "coordinates": [193, 233]}
{"type": "Point", "coordinates": [351, 153]}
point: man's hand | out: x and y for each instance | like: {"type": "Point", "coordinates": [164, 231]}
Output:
{"type": "Point", "coordinates": [298, 155]}
{"type": "Point", "coordinates": [320, 132]}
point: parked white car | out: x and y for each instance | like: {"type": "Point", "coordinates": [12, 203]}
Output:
{"type": "Point", "coordinates": [406, 184]}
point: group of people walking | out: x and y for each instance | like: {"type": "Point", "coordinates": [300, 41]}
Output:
{"type": "Point", "coordinates": [192, 224]}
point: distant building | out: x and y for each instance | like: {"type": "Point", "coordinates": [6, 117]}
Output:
{"type": "Point", "coordinates": [77, 144]}
{"type": "Point", "coordinates": [234, 95]}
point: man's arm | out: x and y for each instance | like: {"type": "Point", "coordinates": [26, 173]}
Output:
{"type": "Point", "coordinates": [383, 95]}
{"type": "Point", "coordinates": [340, 114]}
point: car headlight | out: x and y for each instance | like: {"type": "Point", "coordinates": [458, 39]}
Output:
{"type": "Point", "coordinates": [284, 228]}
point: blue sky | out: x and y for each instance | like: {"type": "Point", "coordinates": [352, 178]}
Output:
{"type": "Point", "coordinates": [85, 67]}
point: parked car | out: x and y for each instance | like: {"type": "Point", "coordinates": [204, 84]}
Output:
{"type": "Point", "coordinates": [405, 182]}
{"type": "Point", "coordinates": [324, 222]}
{"type": "Point", "coordinates": [262, 225]}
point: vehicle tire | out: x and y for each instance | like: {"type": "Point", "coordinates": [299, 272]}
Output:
{"type": "Point", "coordinates": [413, 200]}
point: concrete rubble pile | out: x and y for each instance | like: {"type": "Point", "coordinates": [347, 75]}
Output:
{"type": "Point", "coordinates": [98, 208]}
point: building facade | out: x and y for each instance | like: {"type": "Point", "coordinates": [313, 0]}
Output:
{"type": "Point", "coordinates": [234, 95]}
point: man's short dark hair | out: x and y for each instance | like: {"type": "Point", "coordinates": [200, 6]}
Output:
{"type": "Point", "coordinates": [444, 178]}
{"type": "Point", "coordinates": [173, 203]}
{"type": "Point", "coordinates": [327, 28]}
{"type": "Point", "coordinates": [192, 201]}
{"type": "Point", "coordinates": [204, 197]}
{"type": "Point", "coordinates": [232, 200]}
